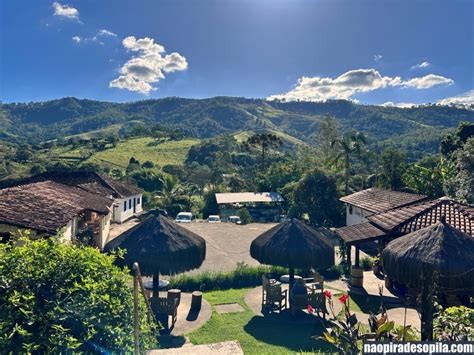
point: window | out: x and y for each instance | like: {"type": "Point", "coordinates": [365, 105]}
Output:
{"type": "Point", "coordinates": [138, 200]}
{"type": "Point", "coordinates": [124, 206]}
{"type": "Point", "coordinates": [130, 203]}
{"type": "Point", "coordinates": [350, 209]}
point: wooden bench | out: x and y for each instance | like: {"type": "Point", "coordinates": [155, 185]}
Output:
{"type": "Point", "coordinates": [164, 308]}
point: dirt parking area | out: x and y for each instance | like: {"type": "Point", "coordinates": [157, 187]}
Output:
{"type": "Point", "coordinates": [227, 243]}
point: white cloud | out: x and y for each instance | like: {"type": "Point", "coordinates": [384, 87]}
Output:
{"type": "Point", "coordinates": [148, 67]}
{"type": "Point", "coordinates": [77, 39]}
{"type": "Point", "coordinates": [428, 81]}
{"type": "Point", "coordinates": [378, 57]}
{"type": "Point", "coordinates": [106, 33]}
{"type": "Point", "coordinates": [65, 11]}
{"type": "Point", "coordinates": [398, 104]}
{"type": "Point", "coordinates": [466, 98]}
{"type": "Point", "coordinates": [353, 82]}
{"type": "Point", "coordinates": [421, 65]}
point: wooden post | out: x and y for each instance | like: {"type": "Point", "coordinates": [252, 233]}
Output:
{"type": "Point", "coordinates": [349, 258]}
{"type": "Point", "coordinates": [357, 256]}
{"type": "Point", "coordinates": [136, 323]}
{"type": "Point", "coordinates": [156, 285]}
{"type": "Point", "coordinates": [291, 281]}
{"type": "Point", "coordinates": [427, 306]}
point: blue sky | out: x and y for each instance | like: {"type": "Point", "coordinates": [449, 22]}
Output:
{"type": "Point", "coordinates": [372, 51]}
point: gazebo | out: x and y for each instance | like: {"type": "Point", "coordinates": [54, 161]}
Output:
{"type": "Point", "coordinates": [432, 259]}
{"type": "Point", "coordinates": [293, 244]}
{"type": "Point", "coordinates": [160, 246]}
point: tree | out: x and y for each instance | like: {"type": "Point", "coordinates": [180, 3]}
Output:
{"type": "Point", "coordinates": [210, 204]}
{"type": "Point", "coordinates": [464, 180]}
{"type": "Point", "coordinates": [264, 141]}
{"type": "Point", "coordinates": [170, 191]}
{"type": "Point", "coordinates": [328, 133]}
{"type": "Point", "coordinates": [348, 145]}
{"type": "Point", "coordinates": [133, 164]}
{"type": "Point", "coordinates": [316, 195]}
{"type": "Point", "coordinates": [453, 142]}
{"type": "Point", "coordinates": [392, 168]}
{"type": "Point", "coordinates": [148, 179]}
{"type": "Point", "coordinates": [200, 175]}
{"type": "Point", "coordinates": [424, 180]}
{"type": "Point", "coordinates": [245, 216]}
{"type": "Point", "coordinates": [57, 298]}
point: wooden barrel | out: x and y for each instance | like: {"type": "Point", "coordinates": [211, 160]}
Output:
{"type": "Point", "coordinates": [196, 300]}
{"type": "Point", "coordinates": [175, 294]}
{"type": "Point", "coordinates": [357, 277]}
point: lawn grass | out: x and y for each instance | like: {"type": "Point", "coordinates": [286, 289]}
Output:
{"type": "Point", "coordinates": [256, 334]}
{"type": "Point", "coordinates": [144, 149]}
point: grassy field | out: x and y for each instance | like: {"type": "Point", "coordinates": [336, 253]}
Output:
{"type": "Point", "coordinates": [244, 135]}
{"type": "Point", "coordinates": [144, 149]}
{"type": "Point", "coordinates": [256, 334]}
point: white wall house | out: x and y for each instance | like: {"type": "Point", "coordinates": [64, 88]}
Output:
{"type": "Point", "coordinates": [127, 207]}
{"type": "Point", "coordinates": [49, 208]}
{"type": "Point", "coordinates": [362, 204]}
{"type": "Point", "coordinates": [356, 215]}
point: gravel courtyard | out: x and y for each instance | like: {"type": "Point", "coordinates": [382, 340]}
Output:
{"type": "Point", "coordinates": [227, 243]}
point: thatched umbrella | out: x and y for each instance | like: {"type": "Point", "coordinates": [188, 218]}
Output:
{"type": "Point", "coordinates": [160, 246]}
{"type": "Point", "coordinates": [293, 244]}
{"type": "Point", "coordinates": [436, 255]}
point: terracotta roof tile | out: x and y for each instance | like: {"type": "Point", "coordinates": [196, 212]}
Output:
{"type": "Point", "coordinates": [359, 232]}
{"type": "Point", "coordinates": [47, 206]}
{"type": "Point", "coordinates": [414, 217]}
{"type": "Point", "coordinates": [377, 200]}
{"type": "Point", "coordinates": [88, 181]}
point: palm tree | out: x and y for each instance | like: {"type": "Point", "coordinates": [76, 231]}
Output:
{"type": "Point", "coordinates": [349, 144]}
{"type": "Point", "coordinates": [264, 141]}
{"type": "Point", "coordinates": [170, 190]}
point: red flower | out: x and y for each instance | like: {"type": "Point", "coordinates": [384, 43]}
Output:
{"type": "Point", "coordinates": [327, 294]}
{"type": "Point", "coordinates": [310, 309]}
{"type": "Point", "coordinates": [343, 298]}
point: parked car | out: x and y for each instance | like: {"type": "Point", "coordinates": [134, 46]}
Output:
{"type": "Point", "coordinates": [184, 217]}
{"type": "Point", "coordinates": [235, 219]}
{"type": "Point", "coordinates": [214, 219]}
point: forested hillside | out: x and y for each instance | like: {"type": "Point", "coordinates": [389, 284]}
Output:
{"type": "Point", "coordinates": [418, 129]}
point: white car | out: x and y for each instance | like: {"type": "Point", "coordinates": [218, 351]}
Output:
{"type": "Point", "coordinates": [214, 219]}
{"type": "Point", "coordinates": [235, 219]}
{"type": "Point", "coordinates": [184, 217]}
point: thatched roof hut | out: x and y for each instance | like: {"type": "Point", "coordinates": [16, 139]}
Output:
{"type": "Point", "coordinates": [160, 246]}
{"type": "Point", "coordinates": [439, 249]}
{"type": "Point", "coordinates": [435, 258]}
{"type": "Point", "coordinates": [293, 244]}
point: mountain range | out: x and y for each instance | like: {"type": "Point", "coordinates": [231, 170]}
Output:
{"type": "Point", "coordinates": [417, 129]}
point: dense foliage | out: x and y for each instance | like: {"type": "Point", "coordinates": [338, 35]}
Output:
{"type": "Point", "coordinates": [56, 298]}
{"type": "Point", "coordinates": [206, 118]}
{"type": "Point", "coordinates": [454, 324]}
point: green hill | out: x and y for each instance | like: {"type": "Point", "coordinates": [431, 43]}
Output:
{"type": "Point", "coordinates": [418, 129]}
{"type": "Point", "coordinates": [144, 149]}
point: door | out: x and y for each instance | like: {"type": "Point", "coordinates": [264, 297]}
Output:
{"type": "Point", "coordinates": [134, 205]}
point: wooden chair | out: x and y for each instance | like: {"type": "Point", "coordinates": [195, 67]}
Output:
{"type": "Point", "coordinates": [316, 282]}
{"type": "Point", "coordinates": [165, 307]}
{"type": "Point", "coordinates": [317, 300]}
{"type": "Point", "coordinates": [276, 298]}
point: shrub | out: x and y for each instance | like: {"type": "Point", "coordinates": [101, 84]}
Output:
{"type": "Point", "coordinates": [243, 276]}
{"type": "Point", "coordinates": [245, 216]}
{"type": "Point", "coordinates": [333, 273]}
{"type": "Point", "coordinates": [454, 324]}
{"type": "Point", "coordinates": [366, 263]}
{"type": "Point", "coordinates": [56, 298]}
